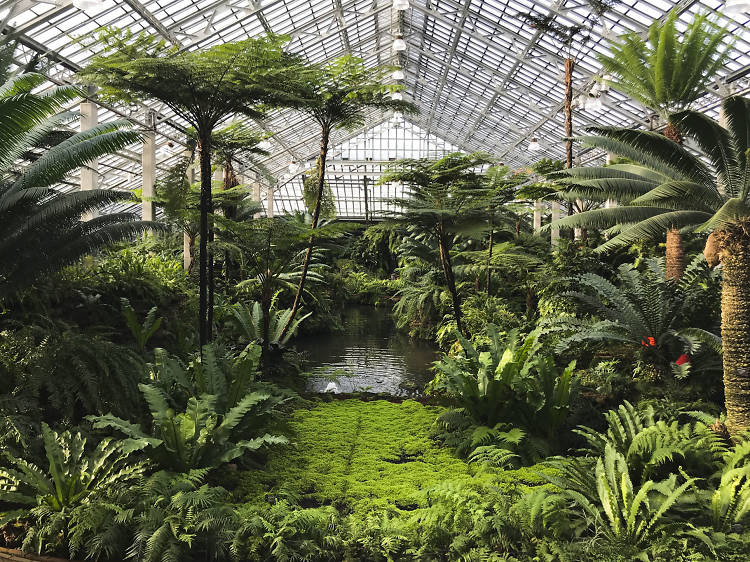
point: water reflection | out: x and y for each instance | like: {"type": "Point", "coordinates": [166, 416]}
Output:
{"type": "Point", "coordinates": [370, 355]}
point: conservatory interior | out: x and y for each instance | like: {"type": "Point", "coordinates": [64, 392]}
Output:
{"type": "Point", "coordinates": [375, 280]}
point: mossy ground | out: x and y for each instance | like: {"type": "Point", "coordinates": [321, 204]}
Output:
{"type": "Point", "coordinates": [359, 456]}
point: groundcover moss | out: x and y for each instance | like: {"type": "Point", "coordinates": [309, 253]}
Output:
{"type": "Point", "coordinates": [359, 456]}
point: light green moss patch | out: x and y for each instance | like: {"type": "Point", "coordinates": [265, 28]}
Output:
{"type": "Point", "coordinates": [357, 456]}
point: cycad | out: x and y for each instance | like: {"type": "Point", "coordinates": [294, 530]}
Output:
{"type": "Point", "coordinates": [642, 311]}
{"type": "Point", "coordinates": [671, 69]}
{"type": "Point", "coordinates": [40, 227]}
{"type": "Point", "coordinates": [693, 193]}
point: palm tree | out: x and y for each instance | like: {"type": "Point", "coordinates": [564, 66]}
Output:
{"type": "Point", "coordinates": [336, 97]}
{"type": "Point", "coordinates": [205, 88]}
{"type": "Point", "coordinates": [672, 69]}
{"type": "Point", "coordinates": [668, 73]}
{"type": "Point", "coordinates": [40, 227]}
{"type": "Point", "coordinates": [670, 185]}
{"type": "Point", "coordinates": [446, 198]}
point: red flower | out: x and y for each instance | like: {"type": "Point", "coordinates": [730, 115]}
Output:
{"type": "Point", "coordinates": [648, 342]}
{"type": "Point", "coordinates": [682, 359]}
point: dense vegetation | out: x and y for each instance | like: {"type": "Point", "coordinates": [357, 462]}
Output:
{"type": "Point", "coordinates": [591, 401]}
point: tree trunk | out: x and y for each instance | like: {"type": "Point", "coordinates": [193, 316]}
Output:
{"type": "Point", "coordinates": [735, 324]}
{"type": "Point", "coordinates": [311, 242]}
{"type": "Point", "coordinates": [445, 261]}
{"type": "Point", "coordinates": [674, 255]}
{"type": "Point", "coordinates": [569, 65]}
{"type": "Point", "coordinates": [206, 208]}
{"type": "Point", "coordinates": [489, 259]}
{"type": "Point", "coordinates": [672, 132]}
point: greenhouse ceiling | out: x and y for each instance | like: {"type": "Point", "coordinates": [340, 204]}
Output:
{"type": "Point", "coordinates": [482, 77]}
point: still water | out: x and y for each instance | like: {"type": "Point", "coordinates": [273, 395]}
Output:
{"type": "Point", "coordinates": [369, 355]}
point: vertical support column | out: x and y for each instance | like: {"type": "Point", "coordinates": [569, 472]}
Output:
{"type": "Point", "coordinates": [90, 170]}
{"type": "Point", "coordinates": [256, 194]}
{"type": "Point", "coordinates": [554, 215]}
{"type": "Point", "coordinates": [269, 201]}
{"type": "Point", "coordinates": [610, 203]}
{"type": "Point", "coordinates": [148, 167]}
{"type": "Point", "coordinates": [187, 241]}
{"type": "Point", "coordinates": [537, 216]}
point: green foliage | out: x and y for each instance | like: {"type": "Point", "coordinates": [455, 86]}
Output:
{"type": "Point", "coordinates": [643, 312]}
{"type": "Point", "coordinates": [181, 518]}
{"type": "Point", "coordinates": [510, 382]}
{"type": "Point", "coordinates": [141, 331]}
{"type": "Point", "coordinates": [671, 68]}
{"type": "Point", "coordinates": [40, 227]}
{"type": "Point", "coordinates": [310, 194]}
{"type": "Point", "coordinates": [201, 436]}
{"type": "Point", "coordinates": [358, 456]}
{"type": "Point", "coordinates": [479, 311]}
{"type": "Point", "coordinates": [730, 502]}
{"type": "Point", "coordinates": [74, 480]}
{"type": "Point", "coordinates": [667, 186]}
{"type": "Point", "coordinates": [249, 322]}
{"type": "Point", "coordinates": [65, 374]}
{"type": "Point", "coordinates": [633, 518]}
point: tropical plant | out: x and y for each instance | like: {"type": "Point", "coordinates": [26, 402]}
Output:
{"type": "Point", "coordinates": [201, 436]}
{"type": "Point", "coordinates": [730, 502]}
{"type": "Point", "coordinates": [642, 311]}
{"type": "Point", "coordinates": [205, 88]}
{"type": "Point", "coordinates": [180, 517]}
{"type": "Point", "coordinates": [511, 382]}
{"type": "Point", "coordinates": [141, 331]}
{"type": "Point", "coordinates": [670, 69]}
{"type": "Point", "coordinates": [41, 227]}
{"type": "Point", "coordinates": [655, 447]}
{"type": "Point", "coordinates": [447, 198]}
{"type": "Point", "coordinates": [251, 322]}
{"type": "Point", "coordinates": [336, 96]}
{"type": "Point", "coordinates": [633, 519]}
{"type": "Point", "coordinates": [696, 195]}
{"type": "Point", "coordinates": [75, 478]}
{"type": "Point", "coordinates": [63, 373]}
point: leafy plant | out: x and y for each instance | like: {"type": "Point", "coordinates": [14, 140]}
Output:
{"type": "Point", "coordinates": [642, 311]}
{"type": "Point", "coordinates": [40, 226]}
{"type": "Point", "coordinates": [447, 198]}
{"type": "Point", "coordinates": [730, 501]}
{"type": "Point", "coordinates": [141, 332]}
{"type": "Point", "coordinates": [181, 518]}
{"type": "Point", "coordinates": [670, 68]}
{"type": "Point", "coordinates": [511, 382]}
{"type": "Point", "coordinates": [73, 479]}
{"type": "Point", "coordinates": [251, 323]}
{"type": "Point", "coordinates": [634, 519]}
{"type": "Point", "coordinates": [201, 436]}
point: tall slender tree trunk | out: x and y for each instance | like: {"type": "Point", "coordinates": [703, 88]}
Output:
{"type": "Point", "coordinates": [489, 258]}
{"type": "Point", "coordinates": [734, 244]}
{"type": "Point", "coordinates": [450, 279]}
{"type": "Point", "coordinates": [326, 133]}
{"type": "Point", "coordinates": [674, 255]}
{"type": "Point", "coordinates": [206, 209]}
{"type": "Point", "coordinates": [569, 66]}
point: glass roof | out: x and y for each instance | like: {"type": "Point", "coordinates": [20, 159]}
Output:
{"type": "Point", "coordinates": [482, 77]}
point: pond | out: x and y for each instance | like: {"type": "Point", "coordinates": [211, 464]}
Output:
{"type": "Point", "coordinates": [370, 355]}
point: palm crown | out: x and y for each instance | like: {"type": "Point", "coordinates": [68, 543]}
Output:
{"type": "Point", "coordinates": [667, 185]}
{"type": "Point", "coordinates": [671, 69]}
{"type": "Point", "coordinates": [40, 227]}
